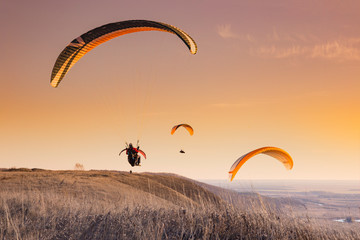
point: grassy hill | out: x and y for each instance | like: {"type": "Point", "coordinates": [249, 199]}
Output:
{"type": "Point", "coordinates": [43, 204]}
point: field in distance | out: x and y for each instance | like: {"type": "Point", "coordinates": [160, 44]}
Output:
{"type": "Point", "coordinates": [323, 200]}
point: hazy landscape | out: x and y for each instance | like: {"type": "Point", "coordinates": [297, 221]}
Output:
{"type": "Point", "coordinates": [323, 200]}
{"type": "Point", "coordinates": [43, 204]}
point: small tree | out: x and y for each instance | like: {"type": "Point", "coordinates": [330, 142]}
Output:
{"type": "Point", "coordinates": [79, 167]}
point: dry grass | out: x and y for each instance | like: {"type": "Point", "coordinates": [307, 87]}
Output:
{"type": "Point", "coordinates": [117, 205]}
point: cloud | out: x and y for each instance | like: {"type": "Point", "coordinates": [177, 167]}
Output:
{"type": "Point", "coordinates": [225, 31]}
{"type": "Point", "coordinates": [278, 52]}
{"type": "Point", "coordinates": [338, 50]}
{"type": "Point", "coordinates": [281, 46]}
{"type": "Point", "coordinates": [341, 50]}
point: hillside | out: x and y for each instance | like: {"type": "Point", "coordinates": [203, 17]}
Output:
{"type": "Point", "coordinates": [43, 204]}
{"type": "Point", "coordinates": [151, 190]}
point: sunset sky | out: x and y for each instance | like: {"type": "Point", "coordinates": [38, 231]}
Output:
{"type": "Point", "coordinates": [267, 73]}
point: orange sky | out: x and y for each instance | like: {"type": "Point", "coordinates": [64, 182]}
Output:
{"type": "Point", "coordinates": [266, 74]}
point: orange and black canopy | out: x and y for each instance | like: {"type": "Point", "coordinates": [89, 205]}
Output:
{"type": "Point", "coordinates": [87, 41]}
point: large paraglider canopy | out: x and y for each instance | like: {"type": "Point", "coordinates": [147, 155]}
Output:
{"type": "Point", "coordinates": [186, 126]}
{"type": "Point", "coordinates": [274, 152]}
{"type": "Point", "coordinates": [87, 41]}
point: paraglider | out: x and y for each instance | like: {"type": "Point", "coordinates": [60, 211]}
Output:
{"type": "Point", "coordinates": [274, 152]}
{"type": "Point", "coordinates": [133, 158]}
{"type": "Point", "coordinates": [186, 126]}
{"type": "Point", "coordinates": [91, 39]}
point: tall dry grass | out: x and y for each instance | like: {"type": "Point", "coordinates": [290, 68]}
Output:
{"type": "Point", "coordinates": [94, 205]}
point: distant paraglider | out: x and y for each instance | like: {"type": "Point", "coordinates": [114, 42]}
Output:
{"type": "Point", "coordinates": [274, 152]}
{"type": "Point", "coordinates": [186, 126]}
{"type": "Point", "coordinates": [91, 39]}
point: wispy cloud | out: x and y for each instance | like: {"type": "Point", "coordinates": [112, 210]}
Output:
{"type": "Point", "coordinates": [341, 50]}
{"type": "Point", "coordinates": [278, 52]}
{"type": "Point", "coordinates": [281, 46]}
{"type": "Point", "coordinates": [225, 31]}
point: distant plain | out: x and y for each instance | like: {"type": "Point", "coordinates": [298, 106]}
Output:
{"type": "Point", "coordinates": [323, 200]}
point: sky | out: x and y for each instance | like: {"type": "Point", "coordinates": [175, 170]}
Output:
{"type": "Point", "coordinates": [267, 73]}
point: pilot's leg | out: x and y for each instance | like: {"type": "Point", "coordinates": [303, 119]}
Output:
{"type": "Point", "coordinates": [137, 160]}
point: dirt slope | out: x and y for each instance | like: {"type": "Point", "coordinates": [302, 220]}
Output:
{"type": "Point", "coordinates": [153, 190]}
